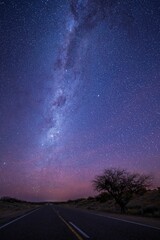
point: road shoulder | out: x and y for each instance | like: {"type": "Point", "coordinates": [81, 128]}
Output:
{"type": "Point", "coordinates": [153, 222]}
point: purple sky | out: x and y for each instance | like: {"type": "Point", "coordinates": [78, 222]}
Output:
{"type": "Point", "coordinates": [79, 92]}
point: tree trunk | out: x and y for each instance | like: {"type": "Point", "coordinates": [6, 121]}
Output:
{"type": "Point", "coordinates": [122, 205]}
{"type": "Point", "coordinates": [123, 209]}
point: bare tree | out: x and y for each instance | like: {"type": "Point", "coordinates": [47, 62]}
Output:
{"type": "Point", "coordinates": [121, 185]}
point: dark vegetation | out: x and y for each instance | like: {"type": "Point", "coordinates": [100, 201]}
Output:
{"type": "Point", "coordinates": [121, 185]}
{"type": "Point", "coordinates": [143, 204]}
{"type": "Point", "coordinates": [122, 192]}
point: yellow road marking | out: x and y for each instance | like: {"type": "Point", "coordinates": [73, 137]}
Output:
{"type": "Point", "coordinates": [71, 229]}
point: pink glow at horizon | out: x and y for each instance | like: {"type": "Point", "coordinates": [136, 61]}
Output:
{"type": "Point", "coordinates": [79, 93]}
{"type": "Point", "coordinates": [67, 180]}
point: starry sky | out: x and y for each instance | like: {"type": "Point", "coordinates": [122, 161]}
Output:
{"type": "Point", "coordinates": [79, 92]}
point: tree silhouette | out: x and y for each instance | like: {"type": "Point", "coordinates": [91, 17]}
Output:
{"type": "Point", "coordinates": [121, 185]}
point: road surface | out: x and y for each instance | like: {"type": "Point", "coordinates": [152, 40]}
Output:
{"type": "Point", "coordinates": [52, 222]}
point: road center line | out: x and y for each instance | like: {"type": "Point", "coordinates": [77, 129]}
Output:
{"type": "Point", "coordinates": [127, 221]}
{"type": "Point", "coordinates": [78, 229]}
{"type": "Point", "coordinates": [71, 229]}
{"type": "Point", "coordinates": [67, 224]}
{"type": "Point", "coordinates": [5, 225]}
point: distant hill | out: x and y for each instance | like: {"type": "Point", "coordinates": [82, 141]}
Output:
{"type": "Point", "coordinates": [11, 200]}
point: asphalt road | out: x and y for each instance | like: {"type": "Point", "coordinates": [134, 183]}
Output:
{"type": "Point", "coordinates": [59, 223]}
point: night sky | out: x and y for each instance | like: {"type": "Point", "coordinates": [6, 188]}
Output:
{"type": "Point", "coordinates": [79, 92]}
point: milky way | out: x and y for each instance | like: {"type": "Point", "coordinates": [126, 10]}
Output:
{"type": "Point", "coordinates": [84, 16]}
{"type": "Point", "coordinates": [79, 92]}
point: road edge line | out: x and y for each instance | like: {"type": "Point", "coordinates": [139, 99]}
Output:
{"type": "Point", "coordinates": [6, 224]}
{"type": "Point", "coordinates": [127, 221]}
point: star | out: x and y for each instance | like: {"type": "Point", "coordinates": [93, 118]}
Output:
{"type": "Point", "coordinates": [79, 92]}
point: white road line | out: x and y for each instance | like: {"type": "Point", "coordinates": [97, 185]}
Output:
{"type": "Point", "coordinates": [55, 210]}
{"type": "Point", "coordinates": [5, 225]}
{"type": "Point", "coordinates": [79, 230]}
{"type": "Point", "coordinates": [132, 222]}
